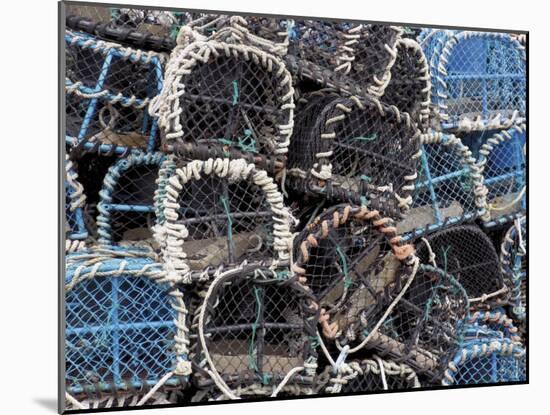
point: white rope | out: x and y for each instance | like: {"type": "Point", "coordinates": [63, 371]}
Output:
{"type": "Point", "coordinates": [74, 402]}
{"type": "Point", "coordinates": [382, 372]}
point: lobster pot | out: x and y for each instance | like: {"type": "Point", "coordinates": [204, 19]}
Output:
{"type": "Point", "coordinates": [230, 95]}
{"type": "Point", "coordinates": [120, 324]}
{"type": "Point", "coordinates": [503, 166]}
{"type": "Point", "coordinates": [487, 361]}
{"type": "Point", "coordinates": [351, 260]}
{"type": "Point", "coordinates": [220, 213]}
{"type": "Point", "coordinates": [375, 375]}
{"type": "Point", "coordinates": [425, 327]}
{"type": "Point", "coordinates": [514, 260]}
{"type": "Point", "coordinates": [491, 324]}
{"type": "Point", "coordinates": [354, 58]}
{"type": "Point", "coordinates": [432, 42]}
{"type": "Point", "coordinates": [75, 200]}
{"type": "Point", "coordinates": [469, 256]}
{"type": "Point", "coordinates": [126, 200]}
{"type": "Point", "coordinates": [358, 150]}
{"type": "Point", "coordinates": [481, 81]}
{"type": "Point", "coordinates": [410, 85]}
{"type": "Point", "coordinates": [449, 189]}
{"type": "Point", "coordinates": [254, 328]}
{"type": "Point", "coordinates": [108, 88]}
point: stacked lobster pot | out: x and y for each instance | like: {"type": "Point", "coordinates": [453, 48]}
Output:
{"type": "Point", "coordinates": [261, 207]}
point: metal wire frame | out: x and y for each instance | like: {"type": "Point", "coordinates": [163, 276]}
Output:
{"type": "Point", "coordinates": [108, 88]}
{"type": "Point", "coordinates": [350, 258]}
{"type": "Point", "coordinates": [465, 252]}
{"type": "Point", "coordinates": [410, 85]}
{"type": "Point", "coordinates": [369, 375]}
{"type": "Point", "coordinates": [426, 326]}
{"type": "Point", "coordinates": [126, 201]}
{"type": "Point", "coordinates": [219, 213]}
{"type": "Point", "coordinates": [480, 81]}
{"type": "Point", "coordinates": [357, 150]}
{"type": "Point", "coordinates": [487, 361]}
{"type": "Point", "coordinates": [75, 199]}
{"type": "Point", "coordinates": [449, 189]}
{"type": "Point", "coordinates": [125, 324]}
{"type": "Point", "coordinates": [353, 58]}
{"type": "Point", "coordinates": [255, 328]}
{"type": "Point", "coordinates": [503, 166]}
{"type": "Point", "coordinates": [514, 260]}
{"type": "Point", "coordinates": [218, 89]}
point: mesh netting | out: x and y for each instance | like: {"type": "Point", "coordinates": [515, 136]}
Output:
{"type": "Point", "coordinates": [351, 259]}
{"type": "Point", "coordinates": [371, 375]}
{"type": "Point", "coordinates": [514, 260]}
{"type": "Point", "coordinates": [481, 81]}
{"type": "Point", "coordinates": [220, 213]}
{"type": "Point", "coordinates": [360, 148]}
{"type": "Point", "coordinates": [75, 200]}
{"type": "Point", "coordinates": [503, 165]}
{"type": "Point", "coordinates": [354, 58]}
{"type": "Point", "coordinates": [491, 324]}
{"type": "Point", "coordinates": [227, 94]}
{"type": "Point", "coordinates": [108, 88]}
{"type": "Point", "coordinates": [487, 361]}
{"type": "Point", "coordinates": [124, 324]}
{"type": "Point", "coordinates": [469, 255]}
{"type": "Point", "coordinates": [255, 327]}
{"type": "Point", "coordinates": [410, 85]}
{"type": "Point", "coordinates": [449, 188]}
{"type": "Point", "coordinates": [126, 200]}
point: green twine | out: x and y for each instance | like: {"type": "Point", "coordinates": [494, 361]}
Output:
{"type": "Point", "coordinates": [251, 349]}
{"type": "Point", "coordinates": [347, 279]}
{"type": "Point", "coordinates": [246, 144]}
{"type": "Point", "coordinates": [365, 178]}
{"type": "Point", "coordinates": [364, 201]}
{"type": "Point", "coordinates": [235, 92]}
{"type": "Point", "coordinates": [282, 275]}
{"type": "Point", "coordinates": [367, 139]}
{"type": "Point", "coordinates": [225, 205]}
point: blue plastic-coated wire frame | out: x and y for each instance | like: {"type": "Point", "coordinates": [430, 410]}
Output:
{"type": "Point", "coordinates": [447, 189]}
{"type": "Point", "coordinates": [106, 205]}
{"type": "Point", "coordinates": [125, 323]}
{"type": "Point", "coordinates": [487, 361]}
{"type": "Point", "coordinates": [480, 81]}
{"type": "Point", "coordinates": [503, 166]}
{"type": "Point", "coordinates": [75, 199]}
{"type": "Point", "coordinates": [491, 324]}
{"type": "Point", "coordinates": [93, 94]}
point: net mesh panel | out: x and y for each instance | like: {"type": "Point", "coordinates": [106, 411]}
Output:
{"type": "Point", "coordinates": [126, 207]}
{"type": "Point", "coordinates": [476, 364]}
{"type": "Point", "coordinates": [446, 191]}
{"type": "Point", "coordinates": [228, 219]}
{"type": "Point", "coordinates": [240, 101]}
{"type": "Point", "coordinates": [469, 256]}
{"type": "Point", "coordinates": [119, 326]}
{"type": "Point", "coordinates": [108, 89]}
{"type": "Point", "coordinates": [514, 259]}
{"type": "Point", "coordinates": [504, 174]}
{"type": "Point", "coordinates": [348, 263]}
{"type": "Point", "coordinates": [75, 200]}
{"type": "Point", "coordinates": [410, 85]}
{"type": "Point", "coordinates": [483, 81]}
{"type": "Point", "coordinates": [425, 328]}
{"type": "Point", "coordinates": [256, 329]}
{"type": "Point", "coordinates": [362, 148]}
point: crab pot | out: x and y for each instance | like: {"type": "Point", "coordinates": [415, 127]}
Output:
{"type": "Point", "coordinates": [469, 256]}
{"type": "Point", "coordinates": [481, 81]}
{"type": "Point", "coordinates": [254, 328]}
{"type": "Point", "coordinates": [448, 190]}
{"type": "Point", "coordinates": [503, 165]}
{"type": "Point", "coordinates": [119, 324]}
{"type": "Point", "coordinates": [351, 57]}
{"type": "Point", "coordinates": [487, 361]}
{"type": "Point", "coordinates": [352, 149]}
{"type": "Point", "coordinates": [240, 99]}
{"type": "Point", "coordinates": [223, 212]}
{"type": "Point", "coordinates": [108, 88]}
{"type": "Point", "coordinates": [348, 261]}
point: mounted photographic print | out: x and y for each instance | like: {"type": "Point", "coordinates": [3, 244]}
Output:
{"type": "Point", "coordinates": [262, 207]}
